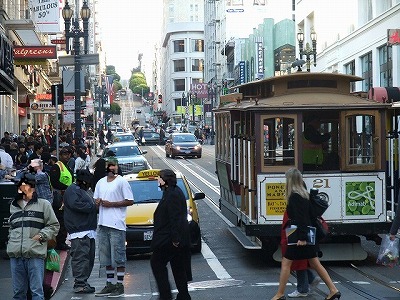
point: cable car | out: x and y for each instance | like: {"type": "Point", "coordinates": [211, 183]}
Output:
{"type": "Point", "coordinates": [262, 130]}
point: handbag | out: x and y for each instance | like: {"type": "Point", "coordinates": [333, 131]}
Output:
{"type": "Point", "coordinates": [53, 261]}
{"type": "Point", "coordinates": [322, 229]}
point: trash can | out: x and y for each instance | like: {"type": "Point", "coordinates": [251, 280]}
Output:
{"type": "Point", "coordinates": [7, 194]}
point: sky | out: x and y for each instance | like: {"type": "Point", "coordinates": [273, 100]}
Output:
{"type": "Point", "coordinates": [129, 27]}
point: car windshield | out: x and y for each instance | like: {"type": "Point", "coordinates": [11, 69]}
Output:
{"type": "Point", "coordinates": [124, 138]}
{"type": "Point", "coordinates": [148, 134]}
{"type": "Point", "coordinates": [184, 138]}
{"type": "Point", "coordinates": [122, 151]}
{"type": "Point", "coordinates": [145, 191]}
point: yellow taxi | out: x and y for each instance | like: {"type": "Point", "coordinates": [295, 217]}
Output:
{"type": "Point", "coordinates": [139, 217]}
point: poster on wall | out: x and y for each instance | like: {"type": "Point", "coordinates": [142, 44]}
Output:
{"type": "Point", "coordinates": [46, 15]}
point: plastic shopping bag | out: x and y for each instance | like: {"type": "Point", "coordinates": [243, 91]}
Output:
{"type": "Point", "coordinates": [53, 261]}
{"type": "Point", "coordinates": [388, 252]}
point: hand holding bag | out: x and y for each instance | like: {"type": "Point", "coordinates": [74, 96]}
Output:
{"type": "Point", "coordinates": [389, 252]}
{"type": "Point", "coordinates": [53, 261]}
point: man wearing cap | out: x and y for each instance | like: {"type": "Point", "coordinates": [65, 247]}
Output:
{"type": "Point", "coordinates": [43, 188]}
{"type": "Point", "coordinates": [113, 194]}
{"type": "Point", "coordinates": [61, 177]}
{"type": "Point", "coordinates": [80, 214]}
{"type": "Point", "coordinates": [171, 238]}
{"type": "Point", "coordinates": [32, 224]}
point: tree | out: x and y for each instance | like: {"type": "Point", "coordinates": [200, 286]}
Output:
{"type": "Point", "coordinates": [115, 109]}
{"type": "Point", "coordinates": [138, 84]}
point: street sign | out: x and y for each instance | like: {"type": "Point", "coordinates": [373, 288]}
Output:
{"type": "Point", "coordinates": [85, 59]}
{"type": "Point", "coordinates": [58, 41]}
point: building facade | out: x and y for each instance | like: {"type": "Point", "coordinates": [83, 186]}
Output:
{"type": "Point", "coordinates": [352, 38]}
{"type": "Point", "coordinates": [182, 56]}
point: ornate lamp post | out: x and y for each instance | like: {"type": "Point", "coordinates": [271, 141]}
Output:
{"type": "Point", "coordinates": [182, 100]}
{"type": "Point", "coordinates": [211, 90]}
{"type": "Point", "coordinates": [75, 33]}
{"type": "Point", "coordinates": [308, 51]}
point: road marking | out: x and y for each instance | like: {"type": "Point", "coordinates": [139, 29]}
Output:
{"type": "Point", "coordinates": [213, 262]}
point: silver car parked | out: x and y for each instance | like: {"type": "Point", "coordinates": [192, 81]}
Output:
{"type": "Point", "coordinates": [130, 157]}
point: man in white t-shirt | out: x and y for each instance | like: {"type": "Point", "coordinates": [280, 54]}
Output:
{"type": "Point", "coordinates": [113, 194]}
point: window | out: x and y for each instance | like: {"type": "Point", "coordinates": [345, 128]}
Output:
{"type": "Point", "coordinates": [386, 66]}
{"type": "Point", "coordinates": [321, 142]}
{"type": "Point", "coordinates": [366, 70]}
{"type": "Point", "coordinates": [179, 65]}
{"type": "Point", "coordinates": [350, 70]}
{"type": "Point", "coordinates": [361, 149]}
{"type": "Point", "coordinates": [197, 64]}
{"type": "Point", "coordinates": [179, 85]}
{"type": "Point", "coordinates": [197, 46]}
{"type": "Point", "coordinates": [279, 143]}
{"type": "Point", "coordinates": [179, 46]}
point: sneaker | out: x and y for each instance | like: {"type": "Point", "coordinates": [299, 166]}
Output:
{"type": "Point", "coordinates": [106, 290]}
{"type": "Point", "coordinates": [315, 283]}
{"type": "Point", "coordinates": [87, 289]}
{"type": "Point", "coordinates": [297, 294]}
{"type": "Point", "coordinates": [118, 291]}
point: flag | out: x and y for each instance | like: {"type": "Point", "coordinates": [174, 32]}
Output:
{"type": "Point", "coordinates": [108, 79]}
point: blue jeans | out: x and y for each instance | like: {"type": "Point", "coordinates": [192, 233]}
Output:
{"type": "Point", "coordinates": [27, 273]}
{"type": "Point", "coordinates": [112, 251]}
{"type": "Point", "coordinates": [304, 278]}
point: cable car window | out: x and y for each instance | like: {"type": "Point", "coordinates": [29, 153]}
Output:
{"type": "Point", "coordinates": [279, 142]}
{"type": "Point", "coordinates": [361, 132]}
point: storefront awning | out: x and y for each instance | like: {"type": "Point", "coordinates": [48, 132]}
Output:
{"type": "Point", "coordinates": [25, 30]}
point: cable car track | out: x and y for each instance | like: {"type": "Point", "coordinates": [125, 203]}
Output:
{"type": "Point", "coordinates": [355, 287]}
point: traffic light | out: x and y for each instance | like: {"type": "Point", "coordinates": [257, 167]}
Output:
{"type": "Point", "coordinates": [159, 98]}
{"type": "Point", "coordinates": [57, 91]}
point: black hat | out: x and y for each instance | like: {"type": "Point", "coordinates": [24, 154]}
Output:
{"type": "Point", "coordinates": [84, 175]}
{"type": "Point", "coordinates": [27, 178]}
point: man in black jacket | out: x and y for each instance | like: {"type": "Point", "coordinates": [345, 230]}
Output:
{"type": "Point", "coordinates": [171, 238]}
{"type": "Point", "coordinates": [80, 215]}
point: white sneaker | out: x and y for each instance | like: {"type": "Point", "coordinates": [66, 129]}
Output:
{"type": "Point", "coordinates": [315, 283]}
{"type": "Point", "coordinates": [297, 294]}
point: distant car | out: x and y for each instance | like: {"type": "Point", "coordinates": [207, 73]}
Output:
{"type": "Point", "coordinates": [130, 157]}
{"type": "Point", "coordinates": [138, 111]}
{"type": "Point", "coordinates": [151, 137]}
{"type": "Point", "coordinates": [124, 137]}
{"type": "Point", "coordinates": [182, 144]}
{"type": "Point", "coordinates": [139, 216]}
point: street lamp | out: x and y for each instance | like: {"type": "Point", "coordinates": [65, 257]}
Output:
{"type": "Point", "coordinates": [308, 51]}
{"type": "Point", "coordinates": [182, 99]}
{"type": "Point", "coordinates": [211, 90]}
{"type": "Point", "coordinates": [75, 33]}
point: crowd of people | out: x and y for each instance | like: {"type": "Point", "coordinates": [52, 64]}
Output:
{"type": "Point", "coordinates": [72, 209]}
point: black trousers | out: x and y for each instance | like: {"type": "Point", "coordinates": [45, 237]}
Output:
{"type": "Point", "coordinates": [82, 259]}
{"type": "Point", "coordinates": [176, 257]}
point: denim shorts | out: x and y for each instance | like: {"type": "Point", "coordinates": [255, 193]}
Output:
{"type": "Point", "coordinates": [112, 251]}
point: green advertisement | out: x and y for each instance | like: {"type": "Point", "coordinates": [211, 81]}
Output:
{"type": "Point", "coordinates": [360, 198]}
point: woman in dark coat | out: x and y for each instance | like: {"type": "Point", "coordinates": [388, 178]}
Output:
{"type": "Point", "coordinates": [298, 212]}
{"type": "Point", "coordinates": [171, 238]}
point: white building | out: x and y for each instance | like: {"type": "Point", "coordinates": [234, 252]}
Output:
{"type": "Point", "coordinates": [182, 53]}
{"type": "Point", "coordinates": [352, 38]}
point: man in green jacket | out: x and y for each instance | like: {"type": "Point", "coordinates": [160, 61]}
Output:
{"type": "Point", "coordinates": [32, 224]}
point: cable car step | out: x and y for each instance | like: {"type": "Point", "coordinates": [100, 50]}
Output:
{"type": "Point", "coordinates": [335, 252]}
{"type": "Point", "coordinates": [243, 239]}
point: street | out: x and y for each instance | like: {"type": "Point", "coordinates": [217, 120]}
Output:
{"type": "Point", "coordinates": [225, 270]}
